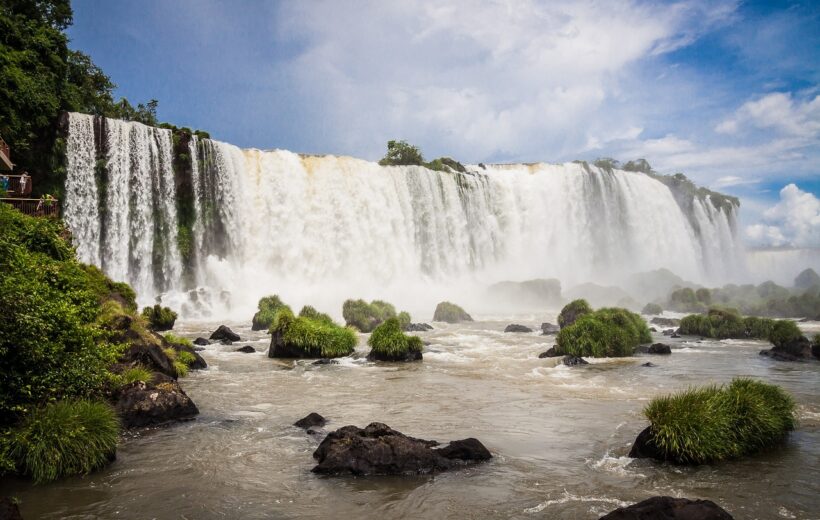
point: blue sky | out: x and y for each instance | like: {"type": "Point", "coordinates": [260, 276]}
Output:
{"type": "Point", "coordinates": [726, 92]}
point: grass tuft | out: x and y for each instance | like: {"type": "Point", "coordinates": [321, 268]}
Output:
{"type": "Point", "coordinates": [724, 323]}
{"type": "Point", "coordinates": [609, 332]}
{"type": "Point", "coordinates": [572, 311]}
{"type": "Point", "coordinates": [267, 310]}
{"type": "Point", "coordinates": [159, 318]}
{"type": "Point", "coordinates": [137, 373]}
{"type": "Point", "coordinates": [711, 424]}
{"type": "Point", "coordinates": [388, 339]}
{"type": "Point", "coordinates": [173, 339]}
{"type": "Point", "coordinates": [316, 337]}
{"type": "Point", "coordinates": [367, 316]}
{"type": "Point", "coordinates": [64, 438]}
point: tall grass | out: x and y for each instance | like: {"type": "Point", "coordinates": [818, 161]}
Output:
{"type": "Point", "coordinates": [173, 339]}
{"type": "Point", "coordinates": [315, 337]}
{"type": "Point", "coordinates": [267, 309]}
{"type": "Point", "coordinates": [64, 438]}
{"type": "Point", "coordinates": [609, 332]}
{"type": "Point", "coordinates": [572, 311]}
{"type": "Point", "coordinates": [711, 424]}
{"type": "Point", "coordinates": [388, 339]}
{"type": "Point", "coordinates": [137, 373]}
{"type": "Point", "coordinates": [726, 323]}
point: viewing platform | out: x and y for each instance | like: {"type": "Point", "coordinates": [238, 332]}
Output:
{"type": "Point", "coordinates": [35, 207]}
{"type": "Point", "coordinates": [5, 157]}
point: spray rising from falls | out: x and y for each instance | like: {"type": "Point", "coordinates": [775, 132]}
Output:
{"type": "Point", "coordinates": [170, 216]}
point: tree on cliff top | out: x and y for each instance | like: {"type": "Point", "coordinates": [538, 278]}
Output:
{"type": "Point", "coordinates": [401, 153]}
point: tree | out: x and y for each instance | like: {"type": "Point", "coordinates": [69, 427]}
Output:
{"type": "Point", "coordinates": [401, 153]}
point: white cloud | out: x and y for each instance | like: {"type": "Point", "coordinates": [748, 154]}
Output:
{"type": "Point", "coordinates": [733, 180]}
{"type": "Point", "coordinates": [778, 111]}
{"type": "Point", "coordinates": [794, 221]}
{"type": "Point", "coordinates": [525, 79]}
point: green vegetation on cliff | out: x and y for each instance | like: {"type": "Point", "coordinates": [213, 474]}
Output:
{"type": "Point", "coordinates": [711, 424]}
{"type": "Point", "coordinates": [400, 153]}
{"type": "Point", "coordinates": [609, 332]}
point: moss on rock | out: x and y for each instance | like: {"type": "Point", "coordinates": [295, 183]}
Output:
{"type": "Point", "coordinates": [307, 337]}
{"type": "Point", "coordinates": [389, 343]}
{"type": "Point", "coordinates": [572, 311]}
{"type": "Point", "coordinates": [450, 313]}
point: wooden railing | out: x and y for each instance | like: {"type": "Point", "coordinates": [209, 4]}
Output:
{"type": "Point", "coordinates": [35, 207]}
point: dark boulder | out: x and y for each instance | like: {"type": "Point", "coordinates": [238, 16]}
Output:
{"type": "Point", "coordinates": [418, 327]}
{"type": "Point", "coordinates": [247, 349]}
{"type": "Point", "coordinates": [312, 420]}
{"type": "Point", "coordinates": [409, 355]}
{"type": "Point", "coordinates": [669, 508]}
{"type": "Point", "coordinates": [649, 365]}
{"type": "Point", "coordinates": [325, 361]}
{"type": "Point", "coordinates": [665, 322]}
{"type": "Point", "coordinates": [149, 355]}
{"type": "Point", "coordinates": [675, 335]}
{"type": "Point", "coordinates": [659, 348]}
{"type": "Point", "coordinates": [517, 328]}
{"type": "Point", "coordinates": [140, 404]}
{"type": "Point", "coordinates": [9, 510]}
{"type": "Point", "coordinates": [572, 361]}
{"type": "Point", "coordinates": [201, 342]}
{"type": "Point", "coordinates": [668, 332]}
{"type": "Point", "coordinates": [644, 447]}
{"type": "Point", "coordinates": [224, 333]}
{"type": "Point", "coordinates": [800, 349]}
{"type": "Point", "coordinates": [549, 353]}
{"type": "Point", "coordinates": [653, 329]}
{"type": "Point", "coordinates": [549, 328]}
{"type": "Point", "coordinates": [380, 450]}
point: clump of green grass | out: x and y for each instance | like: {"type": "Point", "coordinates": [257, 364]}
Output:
{"type": "Point", "coordinates": [177, 340]}
{"type": "Point", "coordinates": [720, 323]}
{"type": "Point", "coordinates": [159, 318]}
{"type": "Point", "coordinates": [450, 313]}
{"type": "Point", "coordinates": [711, 424]}
{"type": "Point", "coordinates": [313, 337]}
{"type": "Point", "coordinates": [186, 357]}
{"type": "Point", "coordinates": [609, 332]}
{"type": "Point", "coordinates": [367, 316]}
{"type": "Point", "coordinates": [137, 373]}
{"type": "Point", "coordinates": [652, 308]}
{"type": "Point", "coordinates": [784, 332]}
{"type": "Point", "coordinates": [572, 311]}
{"type": "Point", "coordinates": [389, 341]}
{"type": "Point", "coordinates": [404, 320]}
{"type": "Point", "coordinates": [310, 312]}
{"type": "Point", "coordinates": [64, 438]}
{"type": "Point", "coordinates": [267, 309]}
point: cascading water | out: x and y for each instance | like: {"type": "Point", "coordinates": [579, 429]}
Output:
{"type": "Point", "coordinates": [320, 229]}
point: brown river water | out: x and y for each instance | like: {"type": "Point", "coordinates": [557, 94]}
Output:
{"type": "Point", "coordinates": [559, 435]}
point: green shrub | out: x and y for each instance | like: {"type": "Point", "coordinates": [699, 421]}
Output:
{"type": "Point", "coordinates": [313, 337]}
{"type": "Point", "coordinates": [177, 340]}
{"type": "Point", "coordinates": [186, 357]}
{"type": "Point", "coordinates": [64, 438]}
{"type": "Point", "coordinates": [712, 424]}
{"type": "Point", "coordinates": [401, 153]}
{"type": "Point", "coordinates": [159, 318]}
{"type": "Point", "coordinates": [404, 320]}
{"type": "Point", "coordinates": [784, 332]}
{"type": "Point", "coordinates": [366, 316]}
{"type": "Point", "coordinates": [309, 312]}
{"type": "Point", "coordinates": [572, 311]}
{"type": "Point", "coordinates": [652, 308]}
{"type": "Point", "coordinates": [450, 313]}
{"type": "Point", "coordinates": [389, 340]}
{"type": "Point", "coordinates": [267, 309]}
{"type": "Point", "coordinates": [137, 373]}
{"type": "Point", "coordinates": [610, 332]}
{"type": "Point", "coordinates": [726, 323]}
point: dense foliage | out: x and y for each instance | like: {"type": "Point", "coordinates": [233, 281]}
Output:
{"type": "Point", "coordinates": [721, 323]}
{"type": "Point", "coordinates": [712, 424]}
{"type": "Point", "coordinates": [400, 153]}
{"type": "Point", "coordinates": [784, 332]}
{"type": "Point", "coordinates": [450, 313]}
{"type": "Point", "coordinates": [309, 311]}
{"type": "Point", "coordinates": [316, 337]}
{"type": "Point", "coordinates": [766, 299]}
{"type": "Point", "coordinates": [40, 77]}
{"type": "Point", "coordinates": [367, 316]}
{"type": "Point", "coordinates": [388, 339]}
{"type": "Point", "coordinates": [572, 311]}
{"type": "Point", "coordinates": [159, 318]}
{"type": "Point", "coordinates": [610, 332]}
{"type": "Point", "coordinates": [267, 310]}
{"type": "Point", "coordinates": [64, 438]}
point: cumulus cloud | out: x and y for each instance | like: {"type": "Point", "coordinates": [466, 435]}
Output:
{"type": "Point", "coordinates": [778, 111]}
{"type": "Point", "coordinates": [493, 79]}
{"type": "Point", "coordinates": [794, 221]}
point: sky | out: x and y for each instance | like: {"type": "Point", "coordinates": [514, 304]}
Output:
{"type": "Point", "coordinates": [726, 92]}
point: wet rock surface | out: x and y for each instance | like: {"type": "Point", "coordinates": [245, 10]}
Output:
{"type": "Point", "coordinates": [669, 508]}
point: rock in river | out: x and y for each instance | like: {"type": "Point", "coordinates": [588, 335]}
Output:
{"type": "Point", "coordinates": [380, 450]}
{"type": "Point", "coordinates": [140, 404]}
{"type": "Point", "coordinates": [311, 420]}
{"type": "Point", "coordinates": [517, 328]}
{"type": "Point", "coordinates": [669, 508]}
{"type": "Point", "coordinates": [224, 333]}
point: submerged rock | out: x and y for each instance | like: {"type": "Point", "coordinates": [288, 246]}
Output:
{"type": "Point", "coordinates": [380, 450]}
{"type": "Point", "coordinates": [517, 328]}
{"type": "Point", "coordinates": [644, 447]}
{"type": "Point", "coordinates": [409, 355]}
{"type": "Point", "coordinates": [549, 353]}
{"type": "Point", "coordinates": [325, 361]}
{"type": "Point", "coordinates": [418, 327]}
{"type": "Point", "coordinates": [572, 361]}
{"type": "Point", "coordinates": [311, 420]}
{"type": "Point", "coordinates": [224, 333]}
{"type": "Point", "coordinates": [655, 348]}
{"type": "Point", "coordinates": [140, 404]}
{"type": "Point", "coordinates": [247, 349]}
{"type": "Point", "coordinates": [800, 349]}
{"type": "Point", "coordinates": [669, 508]}
{"type": "Point", "coordinates": [201, 342]}
{"type": "Point", "coordinates": [649, 364]}
{"type": "Point", "coordinates": [549, 328]}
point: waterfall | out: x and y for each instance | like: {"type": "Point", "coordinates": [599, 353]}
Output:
{"type": "Point", "coordinates": [321, 229]}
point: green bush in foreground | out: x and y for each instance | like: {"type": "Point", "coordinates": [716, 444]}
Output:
{"type": "Point", "coordinates": [159, 318]}
{"type": "Point", "coordinates": [450, 313]}
{"type": "Point", "coordinates": [610, 332]}
{"type": "Point", "coordinates": [572, 311]}
{"type": "Point", "coordinates": [267, 309]}
{"type": "Point", "coordinates": [64, 438]}
{"type": "Point", "coordinates": [311, 337]}
{"type": "Point", "coordinates": [711, 424]}
{"type": "Point", "coordinates": [725, 324]}
{"type": "Point", "coordinates": [366, 316]}
{"type": "Point", "coordinates": [388, 341]}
